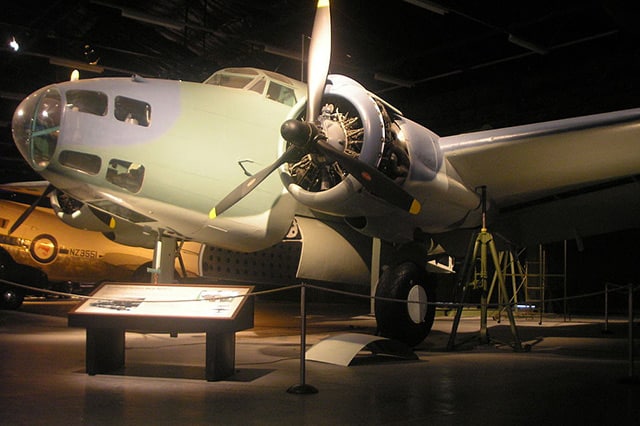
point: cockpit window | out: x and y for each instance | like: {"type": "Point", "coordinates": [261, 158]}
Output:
{"type": "Point", "coordinates": [87, 101]}
{"type": "Point", "coordinates": [229, 80]}
{"type": "Point", "coordinates": [132, 111]}
{"type": "Point", "coordinates": [126, 174]}
{"type": "Point", "coordinates": [258, 86]}
{"type": "Point", "coordinates": [236, 78]}
{"type": "Point", "coordinates": [279, 93]}
{"type": "Point", "coordinates": [269, 84]}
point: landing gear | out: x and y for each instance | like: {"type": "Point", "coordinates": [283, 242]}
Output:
{"type": "Point", "coordinates": [407, 322]}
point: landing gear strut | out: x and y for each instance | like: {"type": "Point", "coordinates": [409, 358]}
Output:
{"type": "Point", "coordinates": [164, 256]}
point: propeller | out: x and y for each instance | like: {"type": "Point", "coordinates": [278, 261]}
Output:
{"type": "Point", "coordinates": [319, 59]}
{"type": "Point", "coordinates": [303, 136]}
{"type": "Point", "coordinates": [31, 208]}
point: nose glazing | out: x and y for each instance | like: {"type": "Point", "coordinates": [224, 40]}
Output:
{"type": "Point", "coordinates": [36, 126]}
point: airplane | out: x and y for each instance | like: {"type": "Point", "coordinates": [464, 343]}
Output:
{"type": "Point", "coordinates": [71, 260]}
{"type": "Point", "coordinates": [234, 161]}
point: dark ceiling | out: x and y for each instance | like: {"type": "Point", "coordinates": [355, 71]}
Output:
{"type": "Point", "coordinates": [453, 66]}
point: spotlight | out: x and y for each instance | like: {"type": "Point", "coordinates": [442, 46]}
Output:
{"type": "Point", "coordinates": [14, 44]}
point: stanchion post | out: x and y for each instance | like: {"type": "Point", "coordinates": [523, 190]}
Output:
{"type": "Point", "coordinates": [631, 378]}
{"type": "Point", "coordinates": [606, 308]}
{"type": "Point", "coordinates": [303, 388]}
{"type": "Point", "coordinates": [631, 332]}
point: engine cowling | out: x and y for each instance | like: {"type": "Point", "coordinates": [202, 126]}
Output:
{"type": "Point", "coordinates": [364, 126]}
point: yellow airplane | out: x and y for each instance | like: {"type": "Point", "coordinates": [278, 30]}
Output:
{"type": "Point", "coordinates": [234, 161]}
{"type": "Point", "coordinates": [70, 259]}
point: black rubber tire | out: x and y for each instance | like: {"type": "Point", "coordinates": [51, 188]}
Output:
{"type": "Point", "coordinates": [11, 297]}
{"type": "Point", "coordinates": [393, 318]}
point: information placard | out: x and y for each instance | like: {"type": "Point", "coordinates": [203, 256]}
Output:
{"type": "Point", "coordinates": [219, 311]}
{"type": "Point", "coordinates": [184, 301]}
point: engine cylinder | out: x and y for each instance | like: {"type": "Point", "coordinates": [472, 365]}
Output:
{"type": "Point", "coordinates": [353, 120]}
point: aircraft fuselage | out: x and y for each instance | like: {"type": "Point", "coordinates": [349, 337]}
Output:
{"type": "Point", "coordinates": [166, 168]}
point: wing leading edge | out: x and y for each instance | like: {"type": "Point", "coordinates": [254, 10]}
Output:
{"type": "Point", "coordinates": [559, 179]}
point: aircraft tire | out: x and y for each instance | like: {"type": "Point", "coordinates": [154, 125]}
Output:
{"type": "Point", "coordinates": [394, 319]}
{"type": "Point", "coordinates": [11, 298]}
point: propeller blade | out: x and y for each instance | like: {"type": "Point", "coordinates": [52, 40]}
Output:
{"type": "Point", "coordinates": [302, 135]}
{"type": "Point", "coordinates": [31, 208]}
{"type": "Point", "coordinates": [249, 184]}
{"type": "Point", "coordinates": [319, 59]}
{"type": "Point", "coordinates": [374, 181]}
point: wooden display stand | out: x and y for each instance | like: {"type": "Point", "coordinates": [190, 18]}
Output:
{"type": "Point", "coordinates": [219, 311]}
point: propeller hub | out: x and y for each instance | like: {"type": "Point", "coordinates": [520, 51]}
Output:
{"type": "Point", "coordinates": [298, 133]}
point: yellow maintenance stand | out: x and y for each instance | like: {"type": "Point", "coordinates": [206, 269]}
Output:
{"type": "Point", "coordinates": [482, 245]}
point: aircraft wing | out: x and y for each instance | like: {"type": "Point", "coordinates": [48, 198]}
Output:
{"type": "Point", "coordinates": [34, 188]}
{"type": "Point", "coordinates": [557, 179]}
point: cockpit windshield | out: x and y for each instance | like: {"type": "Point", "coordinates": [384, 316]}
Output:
{"type": "Point", "coordinates": [271, 85]}
{"type": "Point", "coordinates": [237, 78]}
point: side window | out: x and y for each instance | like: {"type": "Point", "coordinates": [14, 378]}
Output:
{"type": "Point", "coordinates": [126, 174]}
{"type": "Point", "coordinates": [87, 101]}
{"type": "Point", "coordinates": [81, 161]}
{"type": "Point", "coordinates": [132, 111]}
{"type": "Point", "coordinates": [279, 93]}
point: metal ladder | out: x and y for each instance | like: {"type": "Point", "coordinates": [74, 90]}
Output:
{"type": "Point", "coordinates": [535, 280]}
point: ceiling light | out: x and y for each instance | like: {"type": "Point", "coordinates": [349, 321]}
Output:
{"type": "Point", "coordinates": [14, 44]}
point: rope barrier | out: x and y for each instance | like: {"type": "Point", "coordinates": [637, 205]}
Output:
{"type": "Point", "coordinates": [87, 297]}
{"type": "Point", "coordinates": [449, 305]}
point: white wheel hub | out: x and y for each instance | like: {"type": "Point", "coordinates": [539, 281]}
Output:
{"type": "Point", "coordinates": [417, 306]}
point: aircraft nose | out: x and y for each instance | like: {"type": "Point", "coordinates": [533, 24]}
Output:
{"type": "Point", "coordinates": [36, 126]}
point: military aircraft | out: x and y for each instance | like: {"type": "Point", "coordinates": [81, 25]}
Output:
{"type": "Point", "coordinates": [72, 260]}
{"type": "Point", "coordinates": [145, 159]}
